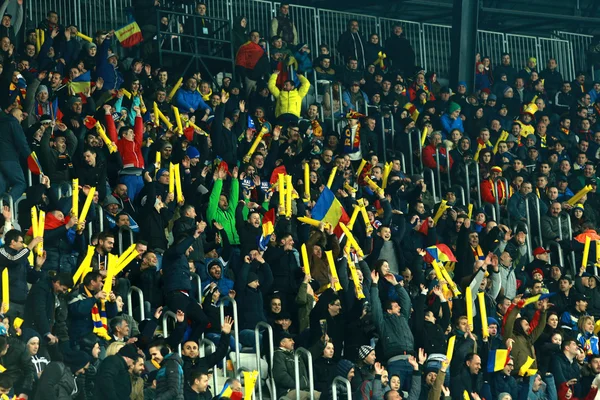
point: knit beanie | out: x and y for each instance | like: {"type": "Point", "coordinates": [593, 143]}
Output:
{"type": "Point", "coordinates": [344, 366]}
{"type": "Point", "coordinates": [364, 351]}
{"type": "Point", "coordinates": [452, 107]}
{"type": "Point", "coordinates": [77, 360]}
{"type": "Point", "coordinates": [492, 321]}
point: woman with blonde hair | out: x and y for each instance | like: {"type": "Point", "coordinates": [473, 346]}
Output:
{"type": "Point", "coordinates": [114, 348]}
{"type": "Point", "coordinates": [587, 338]}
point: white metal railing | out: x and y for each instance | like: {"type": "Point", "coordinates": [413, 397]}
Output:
{"type": "Point", "coordinates": [431, 42]}
{"type": "Point", "coordinates": [130, 302]}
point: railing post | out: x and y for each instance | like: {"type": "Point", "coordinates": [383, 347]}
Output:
{"type": "Point", "coordinates": [383, 139]}
{"type": "Point", "coordinates": [166, 315]}
{"type": "Point", "coordinates": [257, 345]}
{"type": "Point", "coordinates": [468, 182]}
{"type": "Point", "coordinates": [198, 280]}
{"type": "Point", "coordinates": [495, 183]}
{"type": "Point", "coordinates": [410, 153]}
{"type": "Point", "coordinates": [334, 387]}
{"type": "Point", "coordinates": [573, 252]}
{"type": "Point", "coordinates": [310, 372]}
{"type": "Point", "coordinates": [437, 170]}
{"type": "Point", "coordinates": [332, 111]}
{"type": "Point", "coordinates": [478, 177]}
{"type": "Point", "coordinates": [235, 325]}
{"type": "Point", "coordinates": [142, 304]}
{"type": "Point", "coordinates": [433, 188]}
{"type": "Point", "coordinates": [539, 220]}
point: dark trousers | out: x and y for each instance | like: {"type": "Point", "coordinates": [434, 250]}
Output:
{"type": "Point", "coordinates": [176, 301]}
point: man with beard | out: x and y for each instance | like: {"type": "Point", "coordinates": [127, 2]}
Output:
{"type": "Point", "coordinates": [56, 160]}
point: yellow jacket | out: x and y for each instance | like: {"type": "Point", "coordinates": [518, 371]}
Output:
{"type": "Point", "coordinates": [289, 102]}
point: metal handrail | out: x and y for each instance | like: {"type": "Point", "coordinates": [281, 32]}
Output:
{"type": "Point", "coordinates": [166, 315]}
{"type": "Point", "coordinates": [497, 198]}
{"type": "Point", "coordinates": [529, 251]}
{"type": "Point", "coordinates": [410, 153]}
{"type": "Point", "coordinates": [270, 378]}
{"type": "Point", "coordinates": [213, 349]}
{"type": "Point", "coordinates": [311, 383]}
{"type": "Point", "coordinates": [15, 210]}
{"type": "Point", "coordinates": [478, 177]}
{"type": "Point", "coordinates": [383, 139]}
{"type": "Point", "coordinates": [468, 183]}
{"type": "Point", "coordinates": [539, 219]}
{"type": "Point", "coordinates": [198, 280]}
{"type": "Point", "coordinates": [433, 189]}
{"type": "Point", "coordinates": [551, 244]}
{"type": "Point", "coordinates": [69, 191]}
{"type": "Point", "coordinates": [120, 237]}
{"type": "Point", "coordinates": [462, 195]}
{"type": "Point", "coordinates": [140, 294]}
{"type": "Point", "coordinates": [448, 166]}
{"type": "Point", "coordinates": [334, 387]}
{"type": "Point", "coordinates": [236, 320]}
{"type": "Point", "coordinates": [572, 251]}
{"type": "Point", "coordinates": [403, 161]}
{"type": "Point", "coordinates": [100, 212]}
{"type": "Point", "coordinates": [437, 170]}
{"type": "Point", "coordinates": [420, 143]}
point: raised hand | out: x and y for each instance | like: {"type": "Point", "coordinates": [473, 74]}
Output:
{"type": "Point", "coordinates": [227, 325]}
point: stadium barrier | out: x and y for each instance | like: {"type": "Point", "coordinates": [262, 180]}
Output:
{"type": "Point", "coordinates": [140, 295]}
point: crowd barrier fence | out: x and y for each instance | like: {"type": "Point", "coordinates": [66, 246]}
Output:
{"type": "Point", "coordinates": [431, 42]}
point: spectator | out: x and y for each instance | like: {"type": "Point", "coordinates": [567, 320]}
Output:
{"type": "Point", "coordinates": [283, 26]}
{"type": "Point", "coordinates": [352, 44]}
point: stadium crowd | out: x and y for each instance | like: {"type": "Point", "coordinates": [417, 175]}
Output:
{"type": "Point", "coordinates": [331, 234]}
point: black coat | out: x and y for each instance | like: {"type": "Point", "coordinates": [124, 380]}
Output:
{"type": "Point", "coordinates": [56, 383]}
{"type": "Point", "coordinates": [564, 370]}
{"type": "Point", "coordinates": [466, 381]}
{"type": "Point", "coordinates": [176, 270]}
{"type": "Point", "coordinates": [39, 308]}
{"type": "Point", "coordinates": [400, 53]}
{"type": "Point", "coordinates": [116, 382]}
{"type": "Point", "coordinates": [251, 301]}
{"type": "Point", "coordinates": [19, 367]}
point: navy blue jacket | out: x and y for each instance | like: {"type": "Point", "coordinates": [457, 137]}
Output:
{"type": "Point", "coordinates": [176, 270]}
{"type": "Point", "coordinates": [80, 313]}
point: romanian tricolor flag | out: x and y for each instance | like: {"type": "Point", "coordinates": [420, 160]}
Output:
{"type": "Point", "coordinates": [439, 252]}
{"type": "Point", "coordinates": [81, 84]}
{"type": "Point", "coordinates": [226, 392]}
{"type": "Point", "coordinates": [329, 210]}
{"type": "Point", "coordinates": [412, 111]}
{"type": "Point", "coordinates": [268, 227]}
{"type": "Point", "coordinates": [34, 164]}
{"type": "Point", "coordinates": [129, 35]}
{"type": "Point", "coordinates": [497, 360]}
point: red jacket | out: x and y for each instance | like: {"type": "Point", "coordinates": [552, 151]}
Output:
{"type": "Point", "coordinates": [563, 388]}
{"type": "Point", "coordinates": [429, 158]}
{"type": "Point", "coordinates": [487, 191]}
{"type": "Point", "coordinates": [248, 55]}
{"type": "Point", "coordinates": [131, 152]}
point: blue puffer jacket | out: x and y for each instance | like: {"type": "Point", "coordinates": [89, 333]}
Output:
{"type": "Point", "coordinates": [186, 99]}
